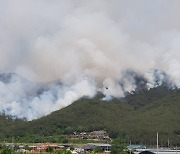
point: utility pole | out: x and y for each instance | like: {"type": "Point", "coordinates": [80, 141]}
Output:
{"type": "Point", "coordinates": [130, 146]}
{"type": "Point", "coordinates": [157, 143]}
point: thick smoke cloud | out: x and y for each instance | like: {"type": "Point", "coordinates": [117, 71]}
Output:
{"type": "Point", "coordinates": [87, 46]}
{"type": "Point", "coordinates": [23, 99]}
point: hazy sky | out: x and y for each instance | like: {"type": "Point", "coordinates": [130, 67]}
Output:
{"type": "Point", "coordinates": [92, 41]}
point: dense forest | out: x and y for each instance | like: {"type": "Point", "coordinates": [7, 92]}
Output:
{"type": "Point", "coordinates": [135, 118]}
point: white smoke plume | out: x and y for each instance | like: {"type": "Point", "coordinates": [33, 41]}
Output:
{"type": "Point", "coordinates": [87, 46]}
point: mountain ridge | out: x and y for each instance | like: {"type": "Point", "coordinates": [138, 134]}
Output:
{"type": "Point", "coordinates": [136, 118]}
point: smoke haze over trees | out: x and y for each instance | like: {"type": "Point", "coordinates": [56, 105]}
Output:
{"type": "Point", "coordinates": [84, 47]}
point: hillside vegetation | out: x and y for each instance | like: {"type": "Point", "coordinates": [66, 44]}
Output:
{"type": "Point", "coordinates": [136, 117]}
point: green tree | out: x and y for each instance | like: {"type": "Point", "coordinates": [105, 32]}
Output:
{"type": "Point", "coordinates": [49, 149]}
{"type": "Point", "coordinates": [63, 152]}
{"type": "Point", "coordinates": [68, 152]}
{"type": "Point", "coordinates": [59, 151]}
{"type": "Point", "coordinates": [65, 141]}
{"type": "Point", "coordinates": [7, 151]}
{"type": "Point", "coordinates": [16, 147]}
{"type": "Point", "coordinates": [28, 148]}
{"type": "Point", "coordinates": [71, 148]}
{"type": "Point", "coordinates": [98, 150]}
{"type": "Point", "coordinates": [118, 147]}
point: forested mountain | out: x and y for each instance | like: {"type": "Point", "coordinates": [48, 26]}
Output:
{"type": "Point", "coordinates": [137, 117]}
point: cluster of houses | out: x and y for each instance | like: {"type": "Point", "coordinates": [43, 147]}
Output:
{"type": "Point", "coordinates": [42, 148]}
{"type": "Point", "coordinates": [37, 148]}
{"type": "Point", "coordinates": [33, 148]}
{"type": "Point", "coordinates": [95, 135]}
{"type": "Point", "coordinates": [90, 147]}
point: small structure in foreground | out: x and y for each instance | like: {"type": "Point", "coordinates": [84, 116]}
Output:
{"type": "Point", "coordinates": [92, 146]}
